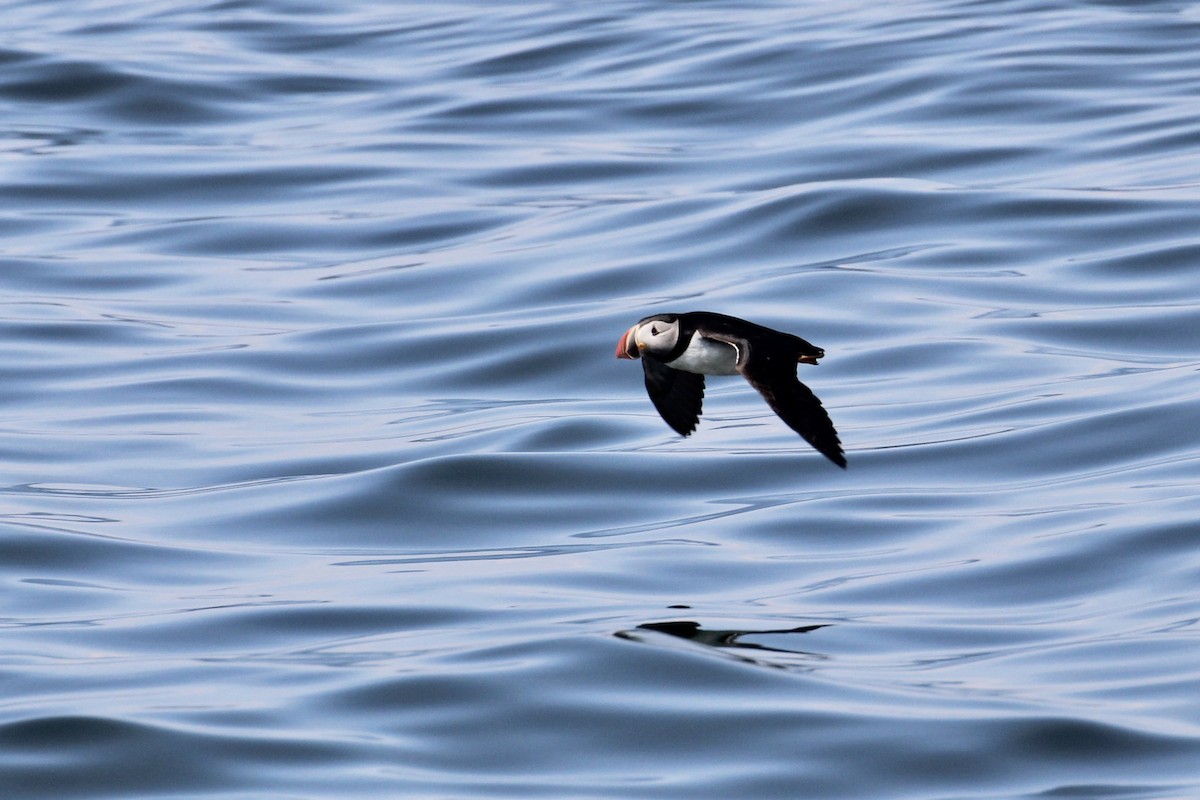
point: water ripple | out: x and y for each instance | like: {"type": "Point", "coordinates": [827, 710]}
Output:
{"type": "Point", "coordinates": [322, 480]}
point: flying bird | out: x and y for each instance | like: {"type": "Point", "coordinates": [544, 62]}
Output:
{"type": "Point", "coordinates": [678, 350]}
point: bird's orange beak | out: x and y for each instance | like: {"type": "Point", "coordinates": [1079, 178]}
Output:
{"type": "Point", "coordinates": [627, 346]}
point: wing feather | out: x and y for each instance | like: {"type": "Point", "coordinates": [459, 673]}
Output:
{"type": "Point", "coordinates": [796, 405]}
{"type": "Point", "coordinates": [677, 395]}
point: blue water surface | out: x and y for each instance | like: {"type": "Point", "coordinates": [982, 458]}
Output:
{"type": "Point", "coordinates": [320, 477]}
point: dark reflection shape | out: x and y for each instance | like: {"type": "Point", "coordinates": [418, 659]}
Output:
{"type": "Point", "coordinates": [686, 629]}
{"type": "Point", "coordinates": [729, 644]}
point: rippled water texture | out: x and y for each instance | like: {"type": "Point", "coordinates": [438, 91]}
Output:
{"type": "Point", "coordinates": [321, 479]}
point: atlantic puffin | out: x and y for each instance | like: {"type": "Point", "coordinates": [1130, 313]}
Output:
{"type": "Point", "coordinates": [678, 350]}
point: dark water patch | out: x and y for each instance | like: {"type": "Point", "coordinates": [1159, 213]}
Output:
{"type": "Point", "coordinates": [114, 94]}
{"type": "Point", "coordinates": [85, 748]}
{"type": "Point", "coordinates": [62, 81]}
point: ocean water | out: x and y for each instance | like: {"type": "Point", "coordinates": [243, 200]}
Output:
{"type": "Point", "coordinates": [320, 478]}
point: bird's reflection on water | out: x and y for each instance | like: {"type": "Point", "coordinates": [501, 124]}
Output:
{"type": "Point", "coordinates": [730, 641]}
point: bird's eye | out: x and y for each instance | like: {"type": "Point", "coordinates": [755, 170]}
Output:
{"type": "Point", "coordinates": [654, 330]}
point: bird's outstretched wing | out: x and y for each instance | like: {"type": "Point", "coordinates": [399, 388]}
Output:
{"type": "Point", "coordinates": [676, 394]}
{"type": "Point", "coordinates": [795, 404]}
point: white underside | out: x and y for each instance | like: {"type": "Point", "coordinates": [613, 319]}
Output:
{"type": "Point", "coordinates": [708, 357]}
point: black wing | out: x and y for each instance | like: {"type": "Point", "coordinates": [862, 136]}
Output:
{"type": "Point", "coordinates": [796, 405]}
{"type": "Point", "coordinates": [676, 394]}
